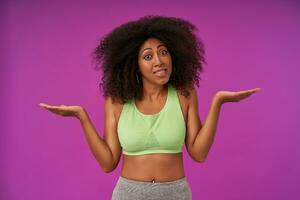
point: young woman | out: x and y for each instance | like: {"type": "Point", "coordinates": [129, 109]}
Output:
{"type": "Point", "coordinates": [149, 69]}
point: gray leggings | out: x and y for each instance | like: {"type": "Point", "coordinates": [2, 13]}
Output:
{"type": "Point", "coordinates": [127, 189]}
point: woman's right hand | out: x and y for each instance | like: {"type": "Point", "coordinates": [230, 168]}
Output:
{"type": "Point", "coordinates": [73, 111]}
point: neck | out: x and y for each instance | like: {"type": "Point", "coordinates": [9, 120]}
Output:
{"type": "Point", "coordinates": [154, 92]}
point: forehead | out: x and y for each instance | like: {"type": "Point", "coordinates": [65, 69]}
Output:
{"type": "Point", "coordinates": [151, 43]}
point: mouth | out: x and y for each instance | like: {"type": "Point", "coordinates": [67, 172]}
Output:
{"type": "Point", "coordinates": [160, 70]}
{"type": "Point", "coordinates": [160, 73]}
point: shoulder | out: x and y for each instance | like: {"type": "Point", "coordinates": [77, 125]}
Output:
{"type": "Point", "coordinates": [112, 106]}
{"type": "Point", "coordinates": [188, 95]}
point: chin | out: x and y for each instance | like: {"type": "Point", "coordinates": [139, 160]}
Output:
{"type": "Point", "coordinates": [163, 81]}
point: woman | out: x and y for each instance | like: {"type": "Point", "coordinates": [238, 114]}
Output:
{"type": "Point", "coordinates": [149, 70]}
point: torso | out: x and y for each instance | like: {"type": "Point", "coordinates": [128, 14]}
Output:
{"type": "Point", "coordinates": [158, 167]}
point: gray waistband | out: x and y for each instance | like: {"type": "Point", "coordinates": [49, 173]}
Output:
{"type": "Point", "coordinates": [121, 178]}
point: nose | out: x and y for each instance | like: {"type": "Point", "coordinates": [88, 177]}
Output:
{"type": "Point", "coordinates": [157, 60]}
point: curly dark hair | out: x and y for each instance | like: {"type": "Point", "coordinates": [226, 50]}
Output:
{"type": "Point", "coordinates": [117, 55]}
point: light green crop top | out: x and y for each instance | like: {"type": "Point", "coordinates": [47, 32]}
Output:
{"type": "Point", "coordinates": [163, 132]}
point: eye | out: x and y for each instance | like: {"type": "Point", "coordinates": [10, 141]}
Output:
{"type": "Point", "coordinates": [147, 57]}
{"type": "Point", "coordinates": [166, 52]}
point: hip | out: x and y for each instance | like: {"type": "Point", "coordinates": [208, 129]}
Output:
{"type": "Point", "coordinates": [133, 189]}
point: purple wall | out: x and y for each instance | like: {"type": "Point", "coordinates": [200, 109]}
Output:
{"type": "Point", "coordinates": [45, 57]}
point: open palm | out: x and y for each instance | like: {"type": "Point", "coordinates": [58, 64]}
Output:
{"type": "Point", "coordinates": [229, 96]}
{"type": "Point", "coordinates": [63, 110]}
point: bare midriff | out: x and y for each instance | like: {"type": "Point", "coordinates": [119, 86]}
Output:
{"type": "Point", "coordinates": [163, 167]}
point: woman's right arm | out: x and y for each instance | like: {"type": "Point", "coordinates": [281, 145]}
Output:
{"type": "Point", "coordinates": [107, 151]}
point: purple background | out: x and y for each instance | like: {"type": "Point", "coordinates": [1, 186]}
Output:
{"type": "Point", "coordinates": [46, 57]}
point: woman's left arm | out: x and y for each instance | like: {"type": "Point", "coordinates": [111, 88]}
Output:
{"type": "Point", "coordinates": [204, 137]}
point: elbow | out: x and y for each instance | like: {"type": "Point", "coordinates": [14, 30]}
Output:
{"type": "Point", "coordinates": [200, 159]}
{"type": "Point", "coordinates": [109, 169]}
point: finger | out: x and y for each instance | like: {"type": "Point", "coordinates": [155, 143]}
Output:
{"type": "Point", "coordinates": [244, 95]}
{"type": "Point", "coordinates": [43, 104]}
{"type": "Point", "coordinates": [54, 107]}
{"type": "Point", "coordinates": [247, 93]}
{"type": "Point", "coordinates": [254, 90]}
{"type": "Point", "coordinates": [251, 91]}
{"type": "Point", "coordinates": [257, 89]}
{"type": "Point", "coordinates": [47, 105]}
{"type": "Point", "coordinates": [244, 92]}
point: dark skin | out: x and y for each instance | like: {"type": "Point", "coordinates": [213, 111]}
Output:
{"type": "Point", "coordinates": [161, 167]}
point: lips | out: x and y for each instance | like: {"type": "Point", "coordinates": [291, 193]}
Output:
{"type": "Point", "coordinates": [160, 70]}
{"type": "Point", "coordinates": [160, 73]}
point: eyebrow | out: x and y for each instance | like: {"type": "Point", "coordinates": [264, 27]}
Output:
{"type": "Point", "coordinates": [157, 47]}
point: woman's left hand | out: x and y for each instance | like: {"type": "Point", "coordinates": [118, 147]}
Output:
{"type": "Point", "coordinates": [228, 96]}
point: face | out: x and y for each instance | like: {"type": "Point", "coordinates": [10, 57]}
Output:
{"type": "Point", "coordinates": [155, 63]}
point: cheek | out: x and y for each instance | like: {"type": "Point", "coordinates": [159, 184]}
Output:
{"type": "Point", "coordinates": [168, 59]}
{"type": "Point", "coordinates": [146, 71]}
{"type": "Point", "coordinates": [169, 64]}
{"type": "Point", "coordinates": [144, 66]}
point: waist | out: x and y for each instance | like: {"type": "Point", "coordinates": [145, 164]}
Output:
{"type": "Point", "coordinates": [142, 182]}
{"type": "Point", "coordinates": [153, 167]}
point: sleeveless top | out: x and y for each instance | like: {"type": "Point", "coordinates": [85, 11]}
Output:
{"type": "Point", "coordinates": [163, 132]}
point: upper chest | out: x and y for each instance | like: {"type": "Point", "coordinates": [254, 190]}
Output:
{"type": "Point", "coordinates": [155, 107]}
